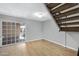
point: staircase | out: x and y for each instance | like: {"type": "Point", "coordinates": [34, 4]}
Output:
{"type": "Point", "coordinates": [66, 15]}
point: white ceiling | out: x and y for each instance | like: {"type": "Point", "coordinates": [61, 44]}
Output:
{"type": "Point", "coordinates": [25, 10]}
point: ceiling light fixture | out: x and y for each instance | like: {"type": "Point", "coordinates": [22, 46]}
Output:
{"type": "Point", "coordinates": [39, 14]}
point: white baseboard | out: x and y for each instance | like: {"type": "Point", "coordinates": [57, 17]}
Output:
{"type": "Point", "coordinates": [33, 40]}
{"type": "Point", "coordinates": [62, 45]}
{"type": "Point", "coordinates": [72, 48]}
{"type": "Point", "coordinates": [54, 42]}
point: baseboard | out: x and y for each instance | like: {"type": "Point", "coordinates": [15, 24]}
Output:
{"type": "Point", "coordinates": [33, 40]}
{"type": "Point", "coordinates": [55, 43]}
{"type": "Point", "coordinates": [61, 44]}
{"type": "Point", "coordinates": [71, 48]}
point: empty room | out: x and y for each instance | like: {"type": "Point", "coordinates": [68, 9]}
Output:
{"type": "Point", "coordinates": [39, 29]}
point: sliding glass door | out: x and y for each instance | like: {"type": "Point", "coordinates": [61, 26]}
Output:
{"type": "Point", "coordinates": [12, 33]}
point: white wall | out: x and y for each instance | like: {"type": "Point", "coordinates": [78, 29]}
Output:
{"type": "Point", "coordinates": [72, 40]}
{"type": "Point", "coordinates": [51, 33]}
{"type": "Point", "coordinates": [33, 30]}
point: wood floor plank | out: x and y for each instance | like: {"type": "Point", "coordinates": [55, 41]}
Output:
{"type": "Point", "coordinates": [37, 48]}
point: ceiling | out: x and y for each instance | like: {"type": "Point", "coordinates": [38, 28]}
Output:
{"type": "Point", "coordinates": [30, 11]}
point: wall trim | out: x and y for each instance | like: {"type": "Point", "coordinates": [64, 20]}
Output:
{"type": "Point", "coordinates": [33, 40]}
{"type": "Point", "coordinates": [72, 48]}
{"type": "Point", "coordinates": [55, 43]}
{"type": "Point", "coordinates": [62, 45]}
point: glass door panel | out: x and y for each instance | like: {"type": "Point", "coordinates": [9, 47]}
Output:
{"type": "Point", "coordinates": [12, 32]}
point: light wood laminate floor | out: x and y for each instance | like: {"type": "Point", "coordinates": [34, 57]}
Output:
{"type": "Point", "coordinates": [36, 48]}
